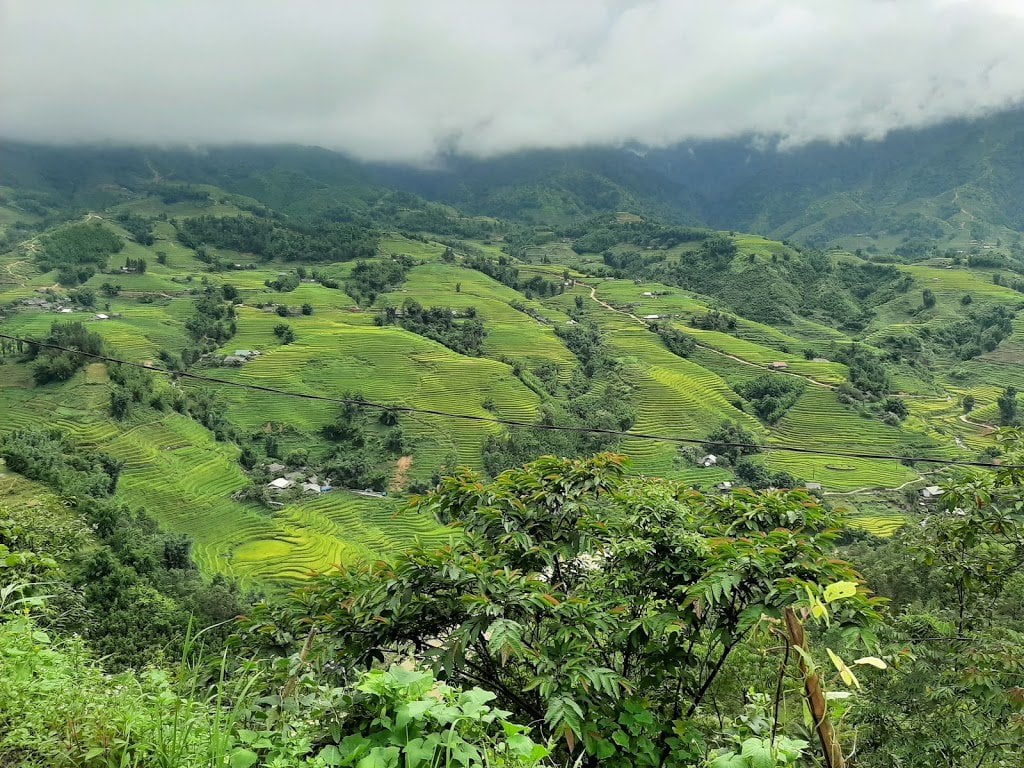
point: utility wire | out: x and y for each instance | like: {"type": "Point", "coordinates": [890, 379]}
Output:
{"type": "Point", "coordinates": [511, 422]}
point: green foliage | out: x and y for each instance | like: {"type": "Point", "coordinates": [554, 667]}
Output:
{"type": "Point", "coordinates": [582, 598]}
{"type": "Point", "coordinates": [1007, 403]}
{"type": "Point", "coordinates": [977, 332]}
{"type": "Point", "coordinates": [762, 753]}
{"type": "Point", "coordinates": [677, 342]}
{"type": "Point", "coordinates": [464, 334]}
{"type": "Point", "coordinates": [868, 377]}
{"type": "Point", "coordinates": [139, 227]}
{"type": "Point", "coordinates": [284, 332]}
{"type": "Point", "coordinates": [49, 457]}
{"type": "Point", "coordinates": [771, 395]}
{"type": "Point", "coordinates": [597, 235]}
{"type": "Point", "coordinates": [284, 283]}
{"type": "Point", "coordinates": [77, 251]}
{"type": "Point", "coordinates": [731, 440]}
{"type": "Point", "coordinates": [953, 695]}
{"type": "Point", "coordinates": [287, 241]}
{"type": "Point", "coordinates": [406, 717]}
{"type": "Point", "coordinates": [368, 279]}
{"type": "Point", "coordinates": [506, 273]}
{"type": "Point", "coordinates": [58, 365]}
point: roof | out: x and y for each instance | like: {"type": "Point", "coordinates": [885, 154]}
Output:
{"type": "Point", "coordinates": [276, 468]}
{"type": "Point", "coordinates": [651, 317]}
{"type": "Point", "coordinates": [931, 490]}
{"type": "Point", "coordinates": [280, 483]}
{"type": "Point", "coordinates": [779, 364]}
{"type": "Point", "coordinates": [724, 486]}
{"type": "Point", "coordinates": [813, 486]}
{"type": "Point", "coordinates": [311, 487]}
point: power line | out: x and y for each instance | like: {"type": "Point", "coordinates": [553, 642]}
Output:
{"type": "Point", "coordinates": [511, 422]}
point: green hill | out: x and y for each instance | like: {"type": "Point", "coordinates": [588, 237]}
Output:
{"type": "Point", "coordinates": [275, 269]}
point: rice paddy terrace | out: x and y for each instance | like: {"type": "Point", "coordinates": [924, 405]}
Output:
{"type": "Point", "coordinates": [186, 479]}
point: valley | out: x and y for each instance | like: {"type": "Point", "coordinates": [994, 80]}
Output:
{"type": "Point", "coordinates": [530, 368]}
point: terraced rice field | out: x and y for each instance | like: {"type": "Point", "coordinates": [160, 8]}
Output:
{"type": "Point", "coordinates": [184, 479]}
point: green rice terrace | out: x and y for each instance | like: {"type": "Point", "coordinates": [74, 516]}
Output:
{"type": "Point", "coordinates": [601, 326]}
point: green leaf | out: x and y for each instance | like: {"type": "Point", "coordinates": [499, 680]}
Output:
{"type": "Point", "coordinates": [331, 755]}
{"type": "Point", "coordinates": [380, 757]}
{"type": "Point", "coordinates": [839, 591]}
{"type": "Point", "coordinates": [728, 761]}
{"type": "Point", "coordinates": [758, 752]}
{"type": "Point", "coordinates": [872, 661]}
{"type": "Point", "coordinates": [420, 751]}
{"type": "Point", "coordinates": [243, 758]}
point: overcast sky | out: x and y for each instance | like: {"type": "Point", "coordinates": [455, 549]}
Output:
{"type": "Point", "coordinates": [404, 79]}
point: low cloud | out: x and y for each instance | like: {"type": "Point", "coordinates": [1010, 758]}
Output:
{"type": "Point", "coordinates": [404, 80]}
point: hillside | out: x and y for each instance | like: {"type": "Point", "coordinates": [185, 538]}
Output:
{"type": "Point", "coordinates": [615, 322]}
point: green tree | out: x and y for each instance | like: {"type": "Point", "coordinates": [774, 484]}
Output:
{"type": "Point", "coordinates": [605, 607]}
{"type": "Point", "coordinates": [1007, 402]}
{"type": "Point", "coordinates": [954, 694]}
{"type": "Point", "coordinates": [968, 403]}
{"type": "Point", "coordinates": [732, 441]}
{"type": "Point", "coordinates": [928, 298]}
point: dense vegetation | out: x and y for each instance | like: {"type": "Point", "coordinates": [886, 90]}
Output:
{"type": "Point", "coordinates": [461, 332]}
{"type": "Point", "coordinates": [312, 242]}
{"type": "Point", "coordinates": [77, 251]}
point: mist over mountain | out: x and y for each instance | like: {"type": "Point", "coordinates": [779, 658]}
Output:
{"type": "Point", "coordinates": [926, 183]}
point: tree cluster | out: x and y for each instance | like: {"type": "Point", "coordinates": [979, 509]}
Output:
{"type": "Point", "coordinates": [461, 332]}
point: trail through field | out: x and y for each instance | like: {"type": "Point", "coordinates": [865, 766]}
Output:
{"type": "Point", "coordinates": [876, 488]}
{"type": "Point", "coordinates": [641, 321]}
{"type": "Point", "coordinates": [986, 429]}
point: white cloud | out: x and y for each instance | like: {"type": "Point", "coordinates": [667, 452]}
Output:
{"type": "Point", "coordinates": [401, 80]}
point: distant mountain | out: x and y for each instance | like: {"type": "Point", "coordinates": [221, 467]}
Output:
{"type": "Point", "coordinates": [960, 181]}
{"type": "Point", "coordinates": [925, 183]}
{"type": "Point", "coordinates": [959, 177]}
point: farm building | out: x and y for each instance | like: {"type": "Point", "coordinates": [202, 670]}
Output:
{"type": "Point", "coordinates": [101, 316]}
{"type": "Point", "coordinates": [930, 493]}
{"type": "Point", "coordinates": [276, 469]}
{"type": "Point", "coordinates": [311, 488]}
{"type": "Point", "coordinates": [709, 461]}
{"type": "Point", "coordinates": [778, 365]}
{"type": "Point", "coordinates": [724, 486]}
{"type": "Point", "coordinates": [652, 317]}
{"type": "Point", "coordinates": [813, 486]}
{"type": "Point", "coordinates": [280, 484]}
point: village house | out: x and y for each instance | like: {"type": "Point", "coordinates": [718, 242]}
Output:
{"type": "Point", "coordinates": [708, 461]}
{"type": "Point", "coordinates": [724, 486]}
{"type": "Point", "coordinates": [778, 365]}
{"type": "Point", "coordinates": [931, 493]}
{"type": "Point", "coordinates": [281, 484]}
